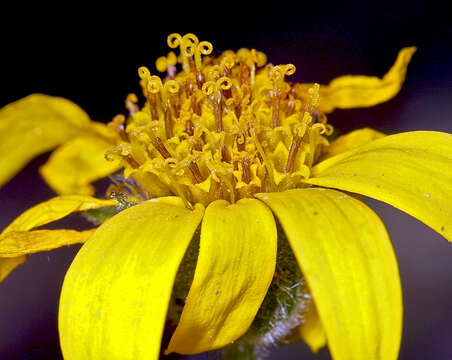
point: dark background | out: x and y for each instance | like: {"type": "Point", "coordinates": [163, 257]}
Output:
{"type": "Point", "coordinates": [91, 56]}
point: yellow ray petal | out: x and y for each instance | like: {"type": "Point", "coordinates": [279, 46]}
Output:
{"type": "Point", "coordinates": [16, 239]}
{"type": "Point", "coordinates": [9, 264]}
{"type": "Point", "coordinates": [34, 125]}
{"type": "Point", "coordinates": [17, 243]}
{"type": "Point", "coordinates": [351, 140]}
{"type": "Point", "coordinates": [235, 267]}
{"type": "Point", "coordinates": [410, 171]}
{"type": "Point", "coordinates": [55, 209]}
{"type": "Point", "coordinates": [115, 295]}
{"type": "Point", "coordinates": [352, 91]}
{"type": "Point", "coordinates": [348, 261]}
{"type": "Point", "coordinates": [73, 166]}
{"type": "Point", "coordinates": [311, 331]}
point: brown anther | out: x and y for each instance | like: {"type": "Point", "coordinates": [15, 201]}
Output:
{"type": "Point", "coordinates": [296, 142]}
{"type": "Point", "coordinates": [189, 128]}
{"type": "Point", "coordinates": [275, 98]}
{"type": "Point", "coordinates": [168, 120]}
{"type": "Point", "coordinates": [225, 156]}
{"type": "Point", "coordinates": [176, 105]}
{"type": "Point", "coordinates": [218, 111]}
{"type": "Point", "coordinates": [132, 162]}
{"type": "Point", "coordinates": [244, 74]}
{"type": "Point", "coordinates": [189, 86]}
{"type": "Point", "coordinates": [227, 93]}
{"type": "Point", "coordinates": [246, 95]}
{"type": "Point", "coordinates": [200, 78]}
{"type": "Point", "coordinates": [290, 107]}
{"type": "Point", "coordinates": [196, 105]}
{"type": "Point", "coordinates": [152, 99]}
{"type": "Point", "coordinates": [235, 164]}
{"type": "Point", "coordinates": [246, 170]}
{"type": "Point", "coordinates": [238, 110]}
{"type": "Point", "coordinates": [160, 147]}
{"type": "Point", "coordinates": [192, 64]}
{"type": "Point", "coordinates": [123, 135]}
{"type": "Point", "coordinates": [196, 173]}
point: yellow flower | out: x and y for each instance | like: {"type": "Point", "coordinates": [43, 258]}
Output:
{"type": "Point", "coordinates": [229, 146]}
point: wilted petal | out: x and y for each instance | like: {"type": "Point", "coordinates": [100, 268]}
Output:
{"type": "Point", "coordinates": [17, 243]}
{"type": "Point", "coordinates": [353, 91]}
{"type": "Point", "coordinates": [55, 209]}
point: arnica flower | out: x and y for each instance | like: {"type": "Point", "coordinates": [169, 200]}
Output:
{"type": "Point", "coordinates": [234, 220]}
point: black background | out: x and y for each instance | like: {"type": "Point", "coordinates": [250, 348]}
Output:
{"type": "Point", "coordinates": [91, 56]}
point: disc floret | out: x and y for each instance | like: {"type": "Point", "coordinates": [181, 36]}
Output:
{"type": "Point", "coordinates": [223, 127]}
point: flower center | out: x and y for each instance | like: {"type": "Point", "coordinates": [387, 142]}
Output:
{"type": "Point", "coordinates": [223, 127]}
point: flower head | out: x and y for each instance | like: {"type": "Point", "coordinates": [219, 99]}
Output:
{"type": "Point", "coordinates": [218, 130]}
{"type": "Point", "coordinates": [219, 154]}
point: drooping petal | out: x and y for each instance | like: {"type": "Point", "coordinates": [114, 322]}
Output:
{"type": "Point", "coordinates": [16, 240]}
{"type": "Point", "coordinates": [55, 209]}
{"type": "Point", "coordinates": [352, 91]}
{"type": "Point", "coordinates": [34, 125]}
{"type": "Point", "coordinates": [9, 264]}
{"type": "Point", "coordinates": [17, 243]}
{"type": "Point", "coordinates": [115, 295]}
{"type": "Point", "coordinates": [235, 267]}
{"type": "Point", "coordinates": [74, 165]}
{"type": "Point", "coordinates": [351, 140]}
{"type": "Point", "coordinates": [410, 171]}
{"type": "Point", "coordinates": [348, 261]}
{"type": "Point", "coordinates": [311, 331]}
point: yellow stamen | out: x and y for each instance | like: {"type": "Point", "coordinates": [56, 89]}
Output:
{"type": "Point", "coordinates": [224, 127]}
